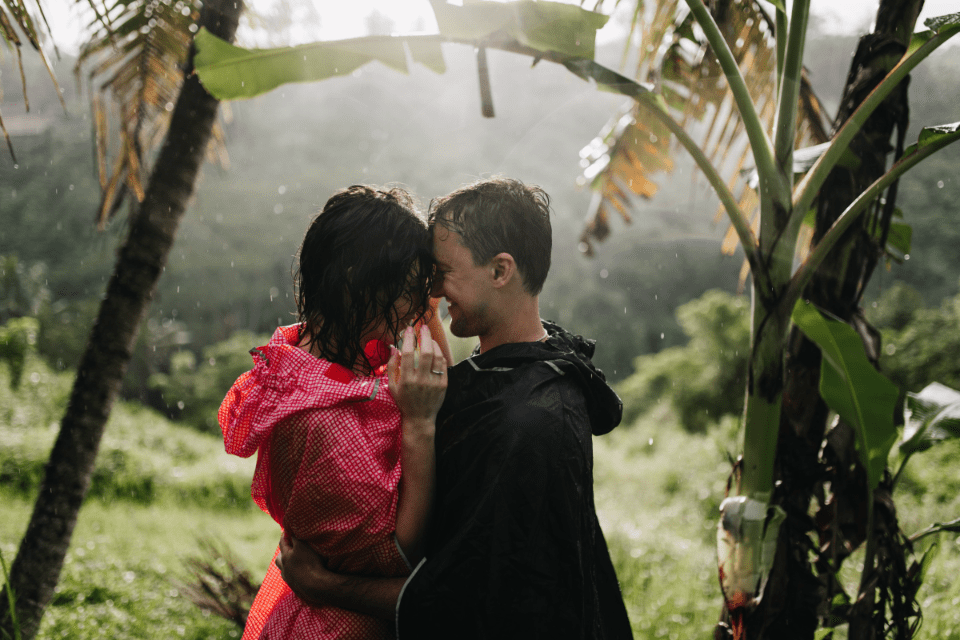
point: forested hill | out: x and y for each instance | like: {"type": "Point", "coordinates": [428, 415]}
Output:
{"type": "Point", "coordinates": [288, 150]}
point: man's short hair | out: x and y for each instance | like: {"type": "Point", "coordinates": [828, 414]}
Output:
{"type": "Point", "coordinates": [501, 215]}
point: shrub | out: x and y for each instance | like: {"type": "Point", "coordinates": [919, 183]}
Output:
{"type": "Point", "coordinates": [194, 388]}
{"type": "Point", "coordinates": [143, 457]}
{"type": "Point", "coordinates": [920, 345]}
{"type": "Point", "coordinates": [703, 380]}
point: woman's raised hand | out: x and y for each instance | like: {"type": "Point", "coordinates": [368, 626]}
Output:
{"type": "Point", "coordinates": [418, 384]}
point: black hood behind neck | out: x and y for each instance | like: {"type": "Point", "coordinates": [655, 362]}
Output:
{"type": "Point", "coordinates": [570, 354]}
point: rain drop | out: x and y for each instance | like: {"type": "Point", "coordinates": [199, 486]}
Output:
{"type": "Point", "coordinates": [939, 184]}
{"type": "Point", "coordinates": [604, 273]}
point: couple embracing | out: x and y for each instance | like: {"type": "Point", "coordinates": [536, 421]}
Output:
{"type": "Point", "coordinates": [421, 499]}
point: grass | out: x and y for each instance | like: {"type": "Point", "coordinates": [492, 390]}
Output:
{"type": "Point", "coordinates": [162, 487]}
{"type": "Point", "coordinates": [122, 576]}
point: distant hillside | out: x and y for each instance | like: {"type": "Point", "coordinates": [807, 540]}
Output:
{"type": "Point", "coordinates": [289, 150]}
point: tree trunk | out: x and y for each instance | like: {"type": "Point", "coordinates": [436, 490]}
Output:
{"type": "Point", "coordinates": [140, 262]}
{"type": "Point", "coordinates": [798, 598]}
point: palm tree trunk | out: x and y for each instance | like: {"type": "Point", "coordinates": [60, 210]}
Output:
{"type": "Point", "coordinates": [141, 260]}
{"type": "Point", "coordinates": [796, 596]}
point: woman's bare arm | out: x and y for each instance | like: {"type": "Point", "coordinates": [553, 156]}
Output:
{"type": "Point", "coordinates": [418, 385]}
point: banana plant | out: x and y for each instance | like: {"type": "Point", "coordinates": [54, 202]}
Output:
{"type": "Point", "coordinates": [768, 225]}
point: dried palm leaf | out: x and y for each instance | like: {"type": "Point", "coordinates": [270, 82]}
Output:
{"type": "Point", "coordinates": [134, 64]}
{"type": "Point", "coordinates": [14, 16]}
{"type": "Point", "coordinates": [673, 55]}
{"type": "Point", "coordinates": [218, 583]}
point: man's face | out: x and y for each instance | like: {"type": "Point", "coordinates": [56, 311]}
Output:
{"type": "Point", "coordinates": [465, 285]}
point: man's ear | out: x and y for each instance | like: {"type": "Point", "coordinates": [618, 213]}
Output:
{"type": "Point", "coordinates": [503, 268]}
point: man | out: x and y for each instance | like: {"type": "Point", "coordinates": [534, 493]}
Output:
{"type": "Point", "coordinates": [514, 548]}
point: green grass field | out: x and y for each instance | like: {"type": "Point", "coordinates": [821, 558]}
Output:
{"type": "Point", "coordinates": [162, 488]}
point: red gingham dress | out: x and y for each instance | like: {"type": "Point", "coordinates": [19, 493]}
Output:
{"type": "Point", "coordinates": [328, 466]}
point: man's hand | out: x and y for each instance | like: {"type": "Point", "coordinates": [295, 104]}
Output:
{"type": "Point", "coordinates": [303, 570]}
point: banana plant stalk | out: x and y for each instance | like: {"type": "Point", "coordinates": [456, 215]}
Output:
{"type": "Point", "coordinates": [749, 525]}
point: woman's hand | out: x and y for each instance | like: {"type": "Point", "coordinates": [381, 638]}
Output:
{"type": "Point", "coordinates": [418, 383]}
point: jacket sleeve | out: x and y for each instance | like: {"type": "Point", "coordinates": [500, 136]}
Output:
{"type": "Point", "coordinates": [511, 564]}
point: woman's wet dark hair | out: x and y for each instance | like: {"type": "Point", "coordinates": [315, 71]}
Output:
{"type": "Point", "coordinates": [354, 267]}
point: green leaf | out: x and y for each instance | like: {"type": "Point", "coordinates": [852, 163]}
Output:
{"type": "Point", "coordinates": [931, 416]}
{"type": "Point", "coordinates": [547, 26]}
{"type": "Point", "coordinates": [231, 72]}
{"type": "Point", "coordinates": [899, 239]}
{"type": "Point", "coordinates": [927, 560]}
{"type": "Point", "coordinates": [427, 53]}
{"type": "Point", "coordinates": [941, 23]}
{"type": "Point", "coordinates": [778, 4]}
{"type": "Point", "coordinates": [931, 135]}
{"type": "Point", "coordinates": [851, 386]}
{"type": "Point", "coordinates": [935, 26]}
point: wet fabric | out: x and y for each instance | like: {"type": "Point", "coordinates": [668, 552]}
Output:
{"type": "Point", "coordinates": [328, 466]}
{"type": "Point", "coordinates": [515, 549]}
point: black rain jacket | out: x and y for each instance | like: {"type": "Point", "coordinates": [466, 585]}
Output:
{"type": "Point", "coordinates": [515, 549]}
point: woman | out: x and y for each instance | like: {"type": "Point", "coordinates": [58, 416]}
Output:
{"type": "Point", "coordinates": [331, 422]}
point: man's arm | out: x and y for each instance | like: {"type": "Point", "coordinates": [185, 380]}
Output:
{"type": "Point", "coordinates": [304, 572]}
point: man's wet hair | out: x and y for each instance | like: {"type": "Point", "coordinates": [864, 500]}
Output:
{"type": "Point", "coordinates": [355, 265]}
{"type": "Point", "coordinates": [501, 215]}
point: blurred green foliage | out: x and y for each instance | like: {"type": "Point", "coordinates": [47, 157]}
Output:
{"type": "Point", "coordinates": [194, 388]}
{"type": "Point", "coordinates": [703, 380]}
{"type": "Point", "coordinates": [143, 457]}
{"type": "Point", "coordinates": [920, 344]}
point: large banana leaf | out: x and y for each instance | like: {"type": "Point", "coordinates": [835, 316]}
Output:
{"type": "Point", "coordinates": [548, 29]}
{"type": "Point", "coordinates": [852, 387]}
{"type": "Point", "coordinates": [622, 162]}
{"type": "Point", "coordinates": [231, 72]}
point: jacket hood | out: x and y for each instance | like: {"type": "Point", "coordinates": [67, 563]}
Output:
{"type": "Point", "coordinates": [286, 380]}
{"type": "Point", "coordinates": [568, 354]}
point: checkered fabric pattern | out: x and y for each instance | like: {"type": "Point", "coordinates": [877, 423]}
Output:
{"type": "Point", "coordinates": [328, 466]}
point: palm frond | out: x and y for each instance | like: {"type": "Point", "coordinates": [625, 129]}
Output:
{"type": "Point", "coordinates": [672, 54]}
{"type": "Point", "coordinates": [134, 64]}
{"type": "Point", "coordinates": [15, 20]}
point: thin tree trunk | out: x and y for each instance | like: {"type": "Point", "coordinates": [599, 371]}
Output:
{"type": "Point", "coordinates": [797, 597]}
{"type": "Point", "coordinates": [141, 260]}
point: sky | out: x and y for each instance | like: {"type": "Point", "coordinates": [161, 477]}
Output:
{"type": "Point", "coordinates": [339, 19]}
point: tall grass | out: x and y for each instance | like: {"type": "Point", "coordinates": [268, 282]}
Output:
{"type": "Point", "coordinates": [11, 601]}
